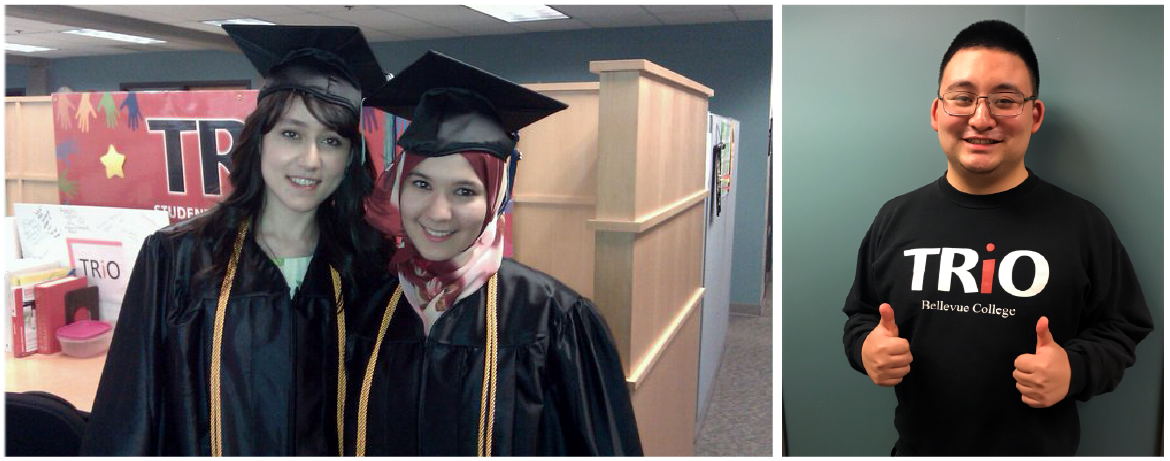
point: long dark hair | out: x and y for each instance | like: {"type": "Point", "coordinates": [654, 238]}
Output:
{"type": "Point", "coordinates": [358, 251]}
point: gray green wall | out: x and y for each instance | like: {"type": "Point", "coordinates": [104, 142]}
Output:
{"type": "Point", "coordinates": [734, 59]}
{"type": "Point", "coordinates": [857, 85]}
{"type": "Point", "coordinates": [15, 76]}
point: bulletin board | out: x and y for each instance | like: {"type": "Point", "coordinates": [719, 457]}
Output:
{"type": "Point", "coordinates": [161, 150]}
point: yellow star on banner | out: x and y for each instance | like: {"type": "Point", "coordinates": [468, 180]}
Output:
{"type": "Point", "coordinates": [113, 161]}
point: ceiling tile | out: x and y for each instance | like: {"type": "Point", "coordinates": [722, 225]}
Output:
{"type": "Point", "coordinates": [696, 17]}
{"type": "Point", "coordinates": [424, 33]}
{"type": "Point", "coordinates": [452, 16]}
{"type": "Point", "coordinates": [122, 10]}
{"type": "Point", "coordinates": [552, 25]}
{"type": "Point", "coordinates": [332, 8]}
{"type": "Point", "coordinates": [199, 26]}
{"type": "Point", "coordinates": [375, 35]}
{"type": "Point", "coordinates": [78, 41]}
{"type": "Point", "coordinates": [611, 15]}
{"type": "Point", "coordinates": [637, 21]}
{"type": "Point", "coordinates": [686, 8]}
{"type": "Point", "coordinates": [256, 11]}
{"type": "Point", "coordinates": [307, 19]}
{"type": "Point", "coordinates": [502, 28]}
{"type": "Point", "coordinates": [174, 13]}
{"type": "Point", "coordinates": [390, 22]}
{"type": "Point", "coordinates": [609, 12]}
{"type": "Point", "coordinates": [11, 25]}
{"type": "Point", "coordinates": [49, 40]}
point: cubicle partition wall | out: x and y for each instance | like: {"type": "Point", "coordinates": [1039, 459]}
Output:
{"type": "Point", "coordinates": [611, 202]}
{"type": "Point", "coordinates": [30, 168]}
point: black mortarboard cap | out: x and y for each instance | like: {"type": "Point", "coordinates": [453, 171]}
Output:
{"type": "Point", "coordinates": [455, 107]}
{"type": "Point", "coordinates": [334, 63]}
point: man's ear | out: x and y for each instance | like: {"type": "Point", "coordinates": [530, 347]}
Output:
{"type": "Point", "coordinates": [934, 114]}
{"type": "Point", "coordinates": [1037, 115]}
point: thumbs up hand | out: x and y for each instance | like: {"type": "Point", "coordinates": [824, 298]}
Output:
{"type": "Point", "coordinates": [886, 356]}
{"type": "Point", "coordinates": [1043, 378]}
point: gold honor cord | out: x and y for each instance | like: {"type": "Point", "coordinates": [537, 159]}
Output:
{"type": "Point", "coordinates": [487, 401]}
{"type": "Point", "coordinates": [337, 299]}
{"type": "Point", "coordinates": [364, 397]}
{"type": "Point", "coordinates": [217, 339]}
{"type": "Point", "coordinates": [489, 354]}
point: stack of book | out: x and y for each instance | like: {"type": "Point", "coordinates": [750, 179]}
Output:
{"type": "Point", "coordinates": [43, 298]}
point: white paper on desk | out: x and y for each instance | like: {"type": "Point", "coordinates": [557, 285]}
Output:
{"type": "Point", "coordinates": [44, 230]}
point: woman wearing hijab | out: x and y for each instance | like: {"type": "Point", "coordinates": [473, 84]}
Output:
{"type": "Point", "coordinates": [232, 328]}
{"type": "Point", "coordinates": [465, 352]}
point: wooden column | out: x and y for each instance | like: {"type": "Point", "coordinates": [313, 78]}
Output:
{"type": "Point", "coordinates": [648, 237]}
{"type": "Point", "coordinates": [609, 200]}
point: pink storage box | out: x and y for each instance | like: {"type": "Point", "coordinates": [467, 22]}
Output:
{"type": "Point", "coordinates": [85, 338]}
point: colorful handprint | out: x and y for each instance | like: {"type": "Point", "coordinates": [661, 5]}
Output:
{"type": "Point", "coordinates": [107, 105]}
{"type": "Point", "coordinates": [84, 113]}
{"type": "Point", "coordinates": [64, 111]}
{"type": "Point", "coordinates": [131, 104]}
{"type": "Point", "coordinates": [65, 149]}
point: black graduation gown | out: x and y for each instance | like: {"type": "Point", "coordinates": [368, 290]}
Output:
{"type": "Point", "coordinates": [279, 358]}
{"type": "Point", "coordinates": [561, 388]}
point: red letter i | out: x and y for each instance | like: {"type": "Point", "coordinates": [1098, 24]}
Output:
{"type": "Point", "coordinates": [988, 271]}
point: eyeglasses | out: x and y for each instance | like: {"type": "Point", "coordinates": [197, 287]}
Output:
{"type": "Point", "coordinates": [1000, 104]}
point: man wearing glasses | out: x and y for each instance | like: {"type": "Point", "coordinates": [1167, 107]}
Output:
{"type": "Point", "coordinates": [991, 299]}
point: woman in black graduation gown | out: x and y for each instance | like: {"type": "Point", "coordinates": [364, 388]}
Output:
{"type": "Point", "coordinates": [464, 352]}
{"type": "Point", "coordinates": [228, 339]}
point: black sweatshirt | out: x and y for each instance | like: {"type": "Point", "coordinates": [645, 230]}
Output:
{"type": "Point", "coordinates": [968, 277]}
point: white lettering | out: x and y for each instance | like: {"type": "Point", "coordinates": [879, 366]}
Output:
{"type": "Point", "coordinates": [1009, 263]}
{"type": "Point", "coordinates": [920, 255]}
{"type": "Point", "coordinates": [947, 267]}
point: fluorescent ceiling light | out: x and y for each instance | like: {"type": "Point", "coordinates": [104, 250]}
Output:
{"type": "Point", "coordinates": [518, 13]}
{"type": "Point", "coordinates": [25, 48]}
{"type": "Point", "coordinates": [241, 21]}
{"type": "Point", "coordinates": [113, 36]}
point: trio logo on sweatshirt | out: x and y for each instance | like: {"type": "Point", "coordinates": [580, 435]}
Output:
{"type": "Point", "coordinates": [947, 270]}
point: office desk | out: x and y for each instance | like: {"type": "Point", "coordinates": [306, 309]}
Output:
{"type": "Point", "coordinates": [71, 378]}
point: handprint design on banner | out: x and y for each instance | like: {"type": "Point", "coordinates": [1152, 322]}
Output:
{"type": "Point", "coordinates": [64, 111]}
{"type": "Point", "coordinates": [132, 113]}
{"type": "Point", "coordinates": [107, 105]}
{"type": "Point", "coordinates": [67, 187]}
{"type": "Point", "coordinates": [84, 113]}
{"type": "Point", "coordinates": [65, 149]}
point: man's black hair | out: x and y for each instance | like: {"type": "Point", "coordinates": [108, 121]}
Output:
{"type": "Point", "coordinates": [994, 33]}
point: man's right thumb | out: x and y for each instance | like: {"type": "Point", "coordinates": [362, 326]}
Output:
{"type": "Point", "coordinates": [888, 319]}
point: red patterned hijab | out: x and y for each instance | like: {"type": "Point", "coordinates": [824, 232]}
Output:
{"type": "Point", "coordinates": [441, 282]}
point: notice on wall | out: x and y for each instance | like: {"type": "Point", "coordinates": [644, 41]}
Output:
{"type": "Point", "coordinates": [100, 243]}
